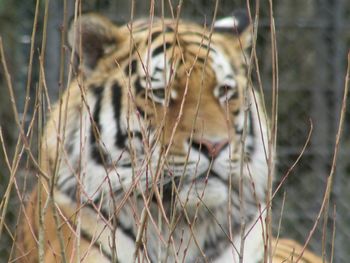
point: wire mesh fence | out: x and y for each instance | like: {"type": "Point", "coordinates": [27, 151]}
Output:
{"type": "Point", "coordinates": [313, 39]}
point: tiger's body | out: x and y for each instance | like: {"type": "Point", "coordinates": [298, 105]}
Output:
{"type": "Point", "coordinates": [163, 116]}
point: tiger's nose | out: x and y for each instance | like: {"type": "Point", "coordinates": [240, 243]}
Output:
{"type": "Point", "coordinates": [211, 148]}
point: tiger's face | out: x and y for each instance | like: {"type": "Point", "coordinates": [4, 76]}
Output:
{"type": "Point", "coordinates": [191, 96]}
{"type": "Point", "coordinates": [179, 98]}
{"type": "Point", "coordinates": [190, 100]}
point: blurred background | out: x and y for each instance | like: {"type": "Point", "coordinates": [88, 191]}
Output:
{"type": "Point", "coordinates": [313, 38]}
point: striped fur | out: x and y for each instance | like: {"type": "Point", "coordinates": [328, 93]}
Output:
{"type": "Point", "coordinates": [162, 115]}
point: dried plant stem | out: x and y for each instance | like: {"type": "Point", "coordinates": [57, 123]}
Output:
{"type": "Point", "coordinates": [291, 168]}
{"type": "Point", "coordinates": [279, 224]}
{"type": "Point", "coordinates": [273, 135]}
{"type": "Point", "coordinates": [333, 235]}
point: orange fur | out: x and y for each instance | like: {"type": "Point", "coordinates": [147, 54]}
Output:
{"type": "Point", "coordinates": [289, 251]}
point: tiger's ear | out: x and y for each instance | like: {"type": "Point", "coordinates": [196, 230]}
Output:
{"type": "Point", "coordinates": [238, 25]}
{"type": "Point", "coordinates": [97, 35]}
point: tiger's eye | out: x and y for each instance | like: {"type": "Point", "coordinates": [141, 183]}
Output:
{"type": "Point", "coordinates": [226, 92]}
{"type": "Point", "coordinates": [160, 93]}
{"type": "Point", "coordinates": [157, 95]}
{"type": "Point", "coordinates": [222, 91]}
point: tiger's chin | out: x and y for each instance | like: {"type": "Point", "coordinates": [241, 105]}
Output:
{"type": "Point", "coordinates": [205, 192]}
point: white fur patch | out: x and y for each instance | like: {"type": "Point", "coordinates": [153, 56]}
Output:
{"type": "Point", "coordinates": [227, 22]}
{"type": "Point", "coordinates": [253, 245]}
{"type": "Point", "coordinates": [158, 72]}
{"type": "Point", "coordinates": [223, 70]}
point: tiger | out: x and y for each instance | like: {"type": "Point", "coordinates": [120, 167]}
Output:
{"type": "Point", "coordinates": [156, 152]}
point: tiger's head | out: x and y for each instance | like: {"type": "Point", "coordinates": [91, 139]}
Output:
{"type": "Point", "coordinates": [176, 95]}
